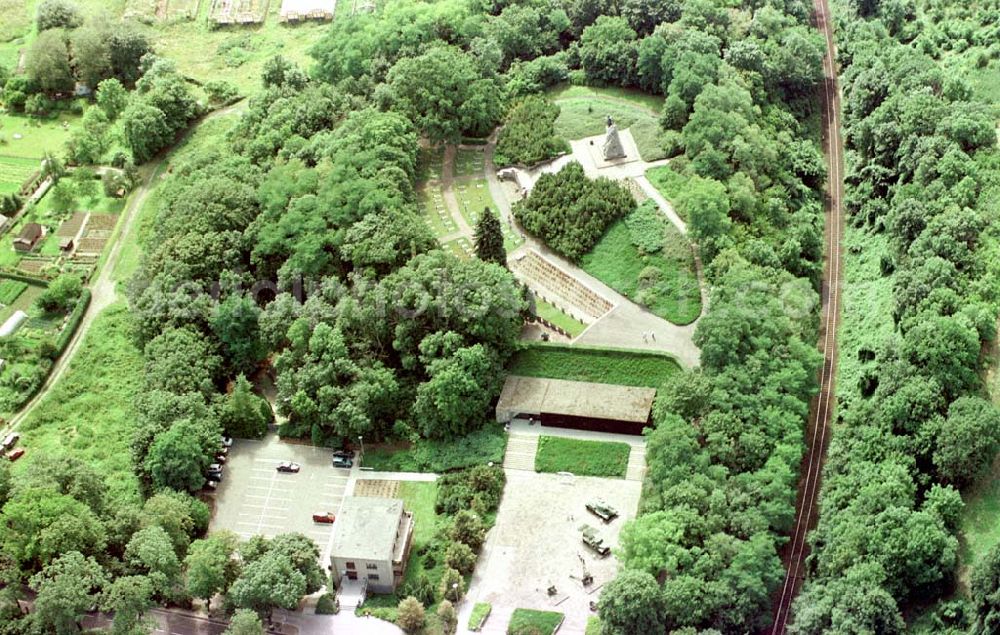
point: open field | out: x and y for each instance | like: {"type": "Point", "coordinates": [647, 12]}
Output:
{"type": "Point", "coordinates": [89, 411]}
{"type": "Point", "coordinates": [38, 135]}
{"type": "Point", "coordinates": [664, 281]}
{"type": "Point", "coordinates": [583, 110]}
{"type": "Point", "coordinates": [582, 457]}
{"type": "Point", "coordinates": [627, 368]}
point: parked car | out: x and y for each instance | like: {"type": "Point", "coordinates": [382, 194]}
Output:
{"type": "Point", "coordinates": [222, 451]}
{"type": "Point", "coordinates": [325, 519]}
{"type": "Point", "coordinates": [288, 467]}
{"type": "Point", "coordinates": [10, 440]}
{"type": "Point", "coordinates": [214, 477]}
{"type": "Point", "coordinates": [215, 468]}
{"type": "Point", "coordinates": [15, 454]}
{"type": "Point", "coordinates": [602, 510]}
{"type": "Point", "coordinates": [344, 454]}
{"type": "Point", "coordinates": [220, 458]}
{"type": "Point", "coordinates": [227, 442]}
{"type": "Point", "coordinates": [339, 461]}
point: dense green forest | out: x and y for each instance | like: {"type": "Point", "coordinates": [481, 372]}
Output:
{"type": "Point", "coordinates": [915, 426]}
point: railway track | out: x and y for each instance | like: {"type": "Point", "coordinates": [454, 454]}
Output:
{"type": "Point", "coordinates": [822, 408]}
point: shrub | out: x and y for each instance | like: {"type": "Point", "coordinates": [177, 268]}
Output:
{"type": "Point", "coordinates": [410, 615]}
{"type": "Point", "coordinates": [61, 294]}
{"type": "Point", "coordinates": [452, 585]}
{"type": "Point", "coordinates": [529, 135]}
{"type": "Point", "coordinates": [570, 212]}
{"type": "Point", "coordinates": [468, 528]}
{"type": "Point", "coordinates": [422, 588]}
{"type": "Point", "coordinates": [460, 557]}
{"type": "Point", "coordinates": [458, 490]}
{"type": "Point", "coordinates": [326, 605]}
{"type": "Point", "coordinates": [58, 14]}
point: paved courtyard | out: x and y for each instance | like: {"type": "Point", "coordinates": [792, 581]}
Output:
{"type": "Point", "coordinates": [254, 498]}
{"type": "Point", "coordinates": [536, 543]}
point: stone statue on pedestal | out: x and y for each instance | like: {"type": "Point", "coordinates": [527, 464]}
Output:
{"type": "Point", "coordinates": [612, 144]}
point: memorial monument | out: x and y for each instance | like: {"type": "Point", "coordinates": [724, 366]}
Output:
{"type": "Point", "coordinates": [612, 144]}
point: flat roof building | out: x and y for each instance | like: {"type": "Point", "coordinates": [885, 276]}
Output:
{"type": "Point", "coordinates": [576, 404]}
{"type": "Point", "coordinates": [371, 542]}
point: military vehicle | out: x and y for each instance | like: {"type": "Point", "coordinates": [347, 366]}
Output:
{"type": "Point", "coordinates": [602, 510]}
{"type": "Point", "coordinates": [594, 542]}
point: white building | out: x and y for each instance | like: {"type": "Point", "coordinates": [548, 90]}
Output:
{"type": "Point", "coordinates": [371, 542]}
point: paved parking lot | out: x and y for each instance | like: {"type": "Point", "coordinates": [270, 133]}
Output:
{"type": "Point", "coordinates": [536, 543]}
{"type": "Point", "coordinates": [254, 498]}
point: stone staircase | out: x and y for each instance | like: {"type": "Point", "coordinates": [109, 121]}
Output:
{"type": "Point", "coordinates": [636, 464]}
{"type": "Point", "coordinates": [520, 453]}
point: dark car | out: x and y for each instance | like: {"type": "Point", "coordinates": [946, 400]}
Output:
{"type": "Point", "coordinates": [344, 454]}
{"type": "Point", "coordinates": [340, 461]}
{"type": "Point", "coordinates": [16, 454]}
{"type": "Point", "coordinates": [214, 477]}
{"type": "Point", "coordinates": [288, 467]}
{"type": "Point", "coordinates": [214, 468]}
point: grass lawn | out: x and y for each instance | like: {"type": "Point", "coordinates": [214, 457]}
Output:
{"type": "Point", "coordinates": [476, 448]}
{"type": "Point", "coordinates": [461, 248]}
{"type": "Point", "coordinates": [669, 182]}
{"type": "Point", "coordinates": [10, 290]}
{"type": "Point", "coordinates": [593, 626]}
{"type": "Point", "coordinates": [583, 109]}
{"type": "Point", "coordinates": [88, 413]}
{"type": "Point", "coordinates": [627, 368]}
{"type": "Point", "coordinates": [38, 135]}
{"type": "Point", "coordinates": [434, 211]}
{"type": "Point", "coordinates": [470, 162]}
{"type": "Point", "coordinates": [530, 621]}
{"type": "Point", "coordinates": [664, 281]}
{"type": "Point", "coordinates": [554, 315]}
{"type": "Point", "coordinates": [479, 614]}
{"type": "Point", "coordinates": [582, 457]}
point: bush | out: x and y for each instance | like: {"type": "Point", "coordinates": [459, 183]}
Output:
{"type": "Point", "coordinates": [410, 615]}
{"type": "Point", "coordinates": [468, 528]}
{"type": "Point", "coordinates": [326, 605]}
{"type": "Point", "coordinates": [460, 557]}
{"type": "Point", "coordinates": [422, 588]}
{"type": "Point", "coordinates": [220, 92]}
{"type": "Point", "coordinates": [61, 293]}
{"type": "Point", "coordinates": [457, 490]}
{"type": "Point", "coordinates": [476, 448]}
{"type": "Point", "coordinates": [58, 14]}
{"type": "Point", "coordinates": [452, 585]}
{"type": "Point", "coordinates": [529, 135]}
{"type": "Point", "coordinates": [570, 212]}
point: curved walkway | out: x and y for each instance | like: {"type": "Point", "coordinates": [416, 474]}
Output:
{"type": "Point", "coordinates": [625, 325]}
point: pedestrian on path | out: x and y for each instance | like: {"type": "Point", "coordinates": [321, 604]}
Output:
{"type": "Point", "coordinates": [644, 340]}
{"type": "Point", "coordinates": [652, 335]}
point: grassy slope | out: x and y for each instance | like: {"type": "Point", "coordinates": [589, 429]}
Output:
{"type": "Point", "coordinates": [626, 368]}
{"type": "Point", "coordinates": [670, 184]}
{"type": "Point", "coordinates": [616, 262]}
{"type": "Point", "coordinates": [583, 109]}
{"type": "Point", "coordinates": [582, 457]}
{"type": "Point", "coordinates": [88, 413]}
{"type": "Point", "coordinates": [556, 316]}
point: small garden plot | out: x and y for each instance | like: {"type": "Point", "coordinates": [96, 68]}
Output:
{"type": "Point", "coordinates": [14, 171]}
{"type": "Point", "coordinates": [576, 363]}
{"type": "Point", "coordinates": [238, 11]}
{"type": "Point", "coordinates": [10, 290]}
{"type": "Point", "coordinates": [376, 488]}
{"type": "Point", "coordinates": [646, 259]}
{"type": "Point", "coordinates": [583, 111]}
{"type": "Point", "coordinates": [532, 622]}
{"type": "Point", "coordinates": [582, 457]}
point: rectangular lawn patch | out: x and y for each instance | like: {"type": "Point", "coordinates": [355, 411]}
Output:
{"type": "Point", "coordinates": [532, 622]}
{"type": "Point", "coordinates": [582, 457]}
{"type": "Point", "coordinates": [575, 363]}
